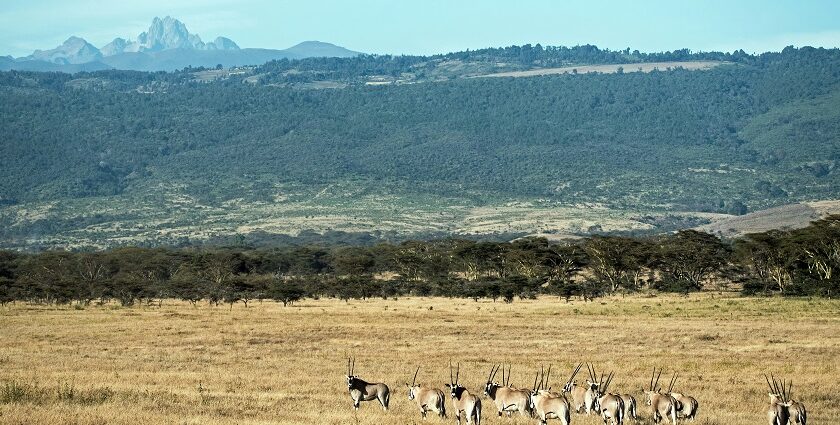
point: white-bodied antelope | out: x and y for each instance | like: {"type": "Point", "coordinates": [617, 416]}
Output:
{"type": "Point", "coordinates": [629, 407]}
{"type": "Point", "coordinates": [547, 405]}
{"type": "Point", "coordinates": [610, 406]}
{"type": "Point", "coordinates": [777, 411]}
{"type": "Point", "coordinates": [506, 398]}
{"type": "Point", "coordinates": [661, 405]}
{"type": "Point", "coordinates": [589, 393]}
{"type": "Point", "coordinates": [363, 391]}
{"type": "Point", "coordinates": [795, 410]}
{"type": "Point", "coordinates": [579, 399]}
{"type": "Point", "coordinates": [462, 400]}
{"type": "Point", "coordinates": [427, 399]}
{"type": "Point", "coordinates": [686, 405]}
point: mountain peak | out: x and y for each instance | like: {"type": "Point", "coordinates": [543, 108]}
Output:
{"type": "Point", "coordinates": [313, 48]}
{"type": "Point", "coordinates": [165, 34]}
{"type": "Point", "coordinates": [74, 50]}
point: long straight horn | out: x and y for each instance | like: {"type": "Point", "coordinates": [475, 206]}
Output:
{"type": "Point", "coordinates": [353, 368]}
{"type": "Point", "coordinates": [414, 381]}
{"type": "Point", "coordinates": [492, 373]}
{"type": "Point", "coordinates": [457, 373]}
{"type": "Point", "coordinates": [769, 385]}
{"type": "Point", "coordinates": [348, 366]}
{"type": "Point", "coordinates": [503, 374]}
{"type": "Point", "coordinates": [657, 380]}
{"type": "Point", "coordinates": [547, 377]}
{"type": "Point", "coordinates": [607, 383]}
{"type": "Point", "coordinates": [790, 390]}
{"type": "Point", "coordinates": [508, 375]}
{"type": "Point", "coordinates": [591, 370]}
{"type": "Point", "coordinates": [537, 375]}
{"type": "Point", "coordinates": [450, 373]}
{"type": "Point", "coordinates": [574, 373]}
{"type": "Point", "coordinates": [775, 385]}
{"type": "Point", "coordinates": [673, 381]}
{"type": "Point", "coordinates": [650, 387]}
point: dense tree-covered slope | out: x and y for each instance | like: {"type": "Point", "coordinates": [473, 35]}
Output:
{"type": "Point", "coordinates": [753, 132]}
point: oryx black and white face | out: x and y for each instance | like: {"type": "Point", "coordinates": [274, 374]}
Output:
{"type": "Point", "coordinates": [455, 390]}
{"type": "Point", "coordinates": [412, 391]}
{"type": "Point", "coordinates": [489, 387]}
{"type": "Point", "coordinates": [351, 380]}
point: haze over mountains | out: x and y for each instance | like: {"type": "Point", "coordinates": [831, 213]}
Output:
{"type": "Point", "coordinates": [167, 45]}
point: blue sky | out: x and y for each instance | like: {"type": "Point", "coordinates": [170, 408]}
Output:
{"type": "Point", "coordinates": [436, 26]}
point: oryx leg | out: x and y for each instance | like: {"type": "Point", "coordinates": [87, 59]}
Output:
{"type": "Point", "coordinates": [383, 400]}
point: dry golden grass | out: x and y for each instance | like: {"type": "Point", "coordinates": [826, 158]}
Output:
{"type": "Point", "coordinates": [269, 364]}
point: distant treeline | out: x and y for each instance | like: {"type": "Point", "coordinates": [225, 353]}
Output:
{"type": "Point", "coordinates": [798, 262]}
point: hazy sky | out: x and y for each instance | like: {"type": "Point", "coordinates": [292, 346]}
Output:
{"type": "Point", "coordinates": [436, 26]}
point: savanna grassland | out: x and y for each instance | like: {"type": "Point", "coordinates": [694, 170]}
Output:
{"type": "Point", "coordinates": [269, 364]}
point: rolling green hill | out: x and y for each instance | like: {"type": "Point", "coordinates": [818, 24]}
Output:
{"type": "Point", "coordinates": [115, 157]}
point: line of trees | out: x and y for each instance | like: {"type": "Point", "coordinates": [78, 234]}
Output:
{"type": "Point", "coordinates": [798, 262]}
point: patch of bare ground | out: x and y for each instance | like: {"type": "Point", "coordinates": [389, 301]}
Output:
{"type": "Point", "coordinates": [794, 216]}
{"type": "Point", "coordinates": [609, 69]}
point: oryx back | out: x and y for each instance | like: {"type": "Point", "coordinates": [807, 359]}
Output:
{"type": "Point", "coordinates": [578, 393]}
{"type": "Point", "coordinates": [428, 400]}
{"type": "Point", "coordinates": [551, 406]}
{"type": "Point", "coordinates": [465, 402]}
{"type": "Point", "coordinates": [777, 413]}
{"type": "Point", "coordinates": [797, 413]}
{"type": "Point", "coordinates": [686, 406]}
{"type": "Point", "coordinates": [612, 408]}
{"type": "Point", "coordinates": [629, 407]}
{"type": "Point", "coordinates": [662, 406]}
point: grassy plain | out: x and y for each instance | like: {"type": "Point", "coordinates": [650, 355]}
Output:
{"type": "Point", "coordinates": [267, 364]}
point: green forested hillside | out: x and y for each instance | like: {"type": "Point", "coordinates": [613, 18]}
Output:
{"type": "Point", "coordinates": [754, 132]}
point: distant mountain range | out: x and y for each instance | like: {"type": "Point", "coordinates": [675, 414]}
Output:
{"type": "Point", "coordinates": [167, 45]}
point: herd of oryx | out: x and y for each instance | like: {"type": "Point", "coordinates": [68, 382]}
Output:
{"type": "Point", "coordinates": [544, 404]}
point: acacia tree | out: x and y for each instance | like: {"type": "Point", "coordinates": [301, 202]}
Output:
{"type": "Point", "coordinates": [689, 258]}
{"type": "Point", "coordinates": [286, 291]}
{"type": "Point", "coordinates": [769, 257]}
{"type": "Point", "coordinates": [617, 261]}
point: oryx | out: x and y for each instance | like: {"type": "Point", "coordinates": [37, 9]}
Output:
{"type": "Point", "coordinates": [629, 407]}
{"type": "Point", "coordinates": [796, 410]}
{"type": "Point", "coordinates": [547, 405]}
{"type": "Point", "coordinates": [427, 399]}
{"type": "Point", "coordinates": [578, 392]}
{"type": "Point", "coordinates": [686, 406]}
{"type": "Point", "coordinates": [777, 411]}
{"type": "Point", "coordinates": [462, 400]}
{"type": "Point", "coordinates": [506, 398]}
{"type": "Point", "coordinates": [661, 405]}
{"type": "Point", "coordinates": [363, 391]}
{"type": "Point", "coordinates": [610, 406]}
{"type": "Point", "coordinates": [590, 392]}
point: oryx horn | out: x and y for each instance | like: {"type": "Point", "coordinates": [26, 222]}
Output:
{"type": "Point", "coordinates": [574, 373]}
{"type": "Point", "coordinates": [547, 377]}
{"type": "Point", "coordinates": [493, 370]}
{"type": "Point", "coordinates": [656, 384]}
{"type": "Point", "coordinates": [673, 381]}
{"type": "Point", "coordinates": [414, 381]}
